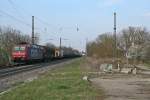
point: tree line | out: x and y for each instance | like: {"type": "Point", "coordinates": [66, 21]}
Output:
{"type": "Point", "coordinates": [9, 37]}
{"type": "Point", "coordinates": [132, 42]}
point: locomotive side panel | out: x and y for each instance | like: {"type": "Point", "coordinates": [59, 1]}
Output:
{"type": "Point", "coordinates": [35, 52]}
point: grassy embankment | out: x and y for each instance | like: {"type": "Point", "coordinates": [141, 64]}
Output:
{"type": "Point", "coordinates": [64, 83]}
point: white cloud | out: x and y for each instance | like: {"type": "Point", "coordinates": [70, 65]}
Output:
{"type": "Point", "coordinates": [109, 3]}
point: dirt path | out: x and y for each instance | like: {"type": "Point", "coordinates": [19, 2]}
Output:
{"type": "Point", "coordinates": [124, 87]}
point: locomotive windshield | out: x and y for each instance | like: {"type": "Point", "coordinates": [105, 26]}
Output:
{"type": "Point", "coordinates": [19, 48]}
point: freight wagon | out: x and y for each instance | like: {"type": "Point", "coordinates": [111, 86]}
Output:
{"type": "Point", "coordinates": [31, 52]}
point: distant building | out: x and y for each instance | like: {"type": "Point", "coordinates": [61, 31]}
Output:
{"type": "Point", "coordinates": [133, 51]}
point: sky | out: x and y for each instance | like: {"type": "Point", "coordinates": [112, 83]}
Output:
{"type": "Point", "coordinates": [61, 18]}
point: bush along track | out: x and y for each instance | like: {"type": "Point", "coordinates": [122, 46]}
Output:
{"type": "Point", "coordinates": [4, 57]}
{"type": "Point", "coordinates": [63, 83]}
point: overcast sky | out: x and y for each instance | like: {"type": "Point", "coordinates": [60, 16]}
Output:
{"type": "Point", "coordinates": [60, 18]}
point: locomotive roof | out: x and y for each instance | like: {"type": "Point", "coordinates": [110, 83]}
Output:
{"type": "Point", "coordinates": [34, 46]}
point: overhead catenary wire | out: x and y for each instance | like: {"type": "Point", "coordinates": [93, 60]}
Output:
{"type": "Point", "coordinates": [13, 17]}
{"type": "Point", "coordinates": [18, 20]}
{"type": "Point", "coordinates": [15, 6]}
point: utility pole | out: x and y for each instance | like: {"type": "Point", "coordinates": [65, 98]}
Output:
{"type": "Point", "coordinates": [115, 43]}
{"type": "Point", "coordinates": [60, 47]}
{"type": "Point", "coordinates": [60, 43]}
{"type": "Point", "coordinates": [32, 29]}
{"type": "Point", "coordinates": [115, 38]}
{"type": "Point", "coordinates": [86, 51]}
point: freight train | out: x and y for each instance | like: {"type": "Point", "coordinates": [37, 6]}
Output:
{"type": "Point", "coordinates": [32, 52]}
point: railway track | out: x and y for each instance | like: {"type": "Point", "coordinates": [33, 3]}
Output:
{"type": "Point", "coordinates": [15, 70]}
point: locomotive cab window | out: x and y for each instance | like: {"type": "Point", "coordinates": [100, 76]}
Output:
{"type": "Point", "coordinates": [22, 48]}
{"type": "Point", "coordinates": [19, 48]}
{"type": "Point", "coordinates": [16, 48]}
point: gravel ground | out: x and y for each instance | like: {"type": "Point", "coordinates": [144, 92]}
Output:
{"type": "Point", "coordinates": [10, 82]}
{"type": "Point", "coordinates": [124, 86]}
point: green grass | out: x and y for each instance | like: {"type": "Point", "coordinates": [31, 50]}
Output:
{"type": "Point", "coordinates": [64, 83]}
{"type": "Point", "coordinates": [147, 63]}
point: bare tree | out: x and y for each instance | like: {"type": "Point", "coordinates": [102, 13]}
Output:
{"type": "Point", "coordinates": [102, 46]}
{"type": "Point", "coordinates": [136, 35]}
{"type": "Point", "coordinates": [8, 38]}
{"type": "Point", "coordinates": [50, 45]}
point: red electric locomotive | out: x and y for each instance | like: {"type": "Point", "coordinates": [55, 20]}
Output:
{"type": "Point", "coordinates": [27, 52]}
